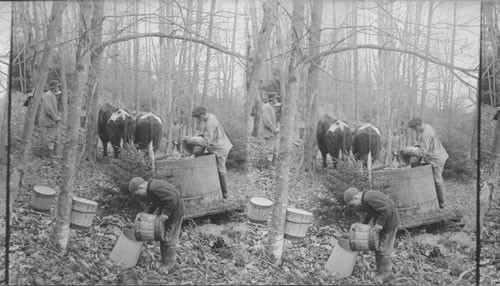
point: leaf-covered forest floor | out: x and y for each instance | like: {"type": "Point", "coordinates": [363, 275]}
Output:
{"type": "Point", "coordinates": [224, 248]}
{"type": "Point", "coordinates": [490, 245]}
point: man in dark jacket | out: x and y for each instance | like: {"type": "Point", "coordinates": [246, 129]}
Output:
{"type": "Point", "coordinates": [383, 213]}
{"type": "Point", "coordinates": [165, 198]}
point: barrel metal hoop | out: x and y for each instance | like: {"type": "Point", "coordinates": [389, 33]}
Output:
{"type": "Point", "coordinates": [418, 205]}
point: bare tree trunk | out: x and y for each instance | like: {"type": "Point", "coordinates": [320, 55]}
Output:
{"type": "Point", "coordinates": [426, 63]}
{"type": "Point", "coordinates": [90, 151]}
{"type": "Point", "coordinates": [335, 68]}
{"type": "Point", "coordinates": [196, 63]}
{"type": "Point", "coordinates": [63, 209]}
{"type": "Point", "coordinates": [233, 48]}
{"type": "Point", "coordinates": [312, 88]}
{"type": "Point", "coordinates": [171, 84]}
{"type": "Point", "coordinates": [43, 71]}
{"type": "Point", "coordinates": [277, 225]}
{"type": "Point", "coordinates": [355, 82]}
{"type": "Point", "coordinates": [451, 77]}
{"type": "Point", "coordinates": [415, 62]}
{"type": "Point", "coordinates": [209, 53]}
{"type": "Point", "coordinates": [268, 23]}
{"type": "Point", "coordinates": [136, 58]}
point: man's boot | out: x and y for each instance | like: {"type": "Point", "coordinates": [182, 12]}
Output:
{"type": "Point", "coordinates": [440, 195]}
{"type": "Point", "coordinates": [383, 268]}
{"type": "Point", "coordinates": [168, 256]}
{"type": "Point", "coordinates": [270, 165]}
{"type": "Point", "coordinates": [223, 185]}
{"type": "Point", "coordinates": [274, 162]}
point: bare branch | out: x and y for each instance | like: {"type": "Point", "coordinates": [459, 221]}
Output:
{"type": "Point", "coordinates": [177, 37]}
{"type": "Point", "coordinates": [375, 47]}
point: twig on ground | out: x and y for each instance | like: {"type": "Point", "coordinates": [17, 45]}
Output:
{"type": "Point", "coordinates": [34, 212]}
{"type": "Point", "coordinates": [463, 274]}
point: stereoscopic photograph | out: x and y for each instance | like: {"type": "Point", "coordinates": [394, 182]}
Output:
{"type": "Point", "coordinates": [236, 142]}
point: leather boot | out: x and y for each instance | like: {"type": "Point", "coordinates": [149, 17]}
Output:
{"type": "Point", "coordinates": [440, 195]}
{"type": "Point", "coordinates": [270, 165]}
{"type": "Point", "coordinates": [168, 256]}
{"type": "Point", "coordinates": [274, 162]}
{"type": "Point", "coordinates": [383, 268]}
{"type": "Point", "coordinates": [223, 185]}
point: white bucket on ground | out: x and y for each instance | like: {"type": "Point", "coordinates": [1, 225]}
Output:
{"type": "Point", "coordinates": [342, 260]}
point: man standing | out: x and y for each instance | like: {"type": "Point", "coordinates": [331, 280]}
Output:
{"type": "Point", "coordinates": [165, 198]}
{"type": "Point", "coordinates": [215, 140]}
{"type": "Point", "coordinates": [49, 116]}
{"type": "Point", "coordinates": [384, 215]}
{"type": "Point", "coordinates": [432, 151]}
{"type": "Point", "coordinates": [270, 129]}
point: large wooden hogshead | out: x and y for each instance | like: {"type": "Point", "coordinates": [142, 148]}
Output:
{"type": "Point", "coordinates": [414, 193]}
{"type": "Point", "coordinates": [198, 181]}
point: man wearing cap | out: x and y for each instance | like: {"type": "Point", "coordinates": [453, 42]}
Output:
{"type": "Point", "coordinates": [164, 198]}
{"type": "Point", "coordinates": [49, 115]}
{"type": "Point", "coordinates": [270, 129]}
{"type": "Point", "coordinates": [430, 148]}
{"type": "Point", "coordinates": [215, 140]}
{"type": "Point", "coordinates": [379, 210]}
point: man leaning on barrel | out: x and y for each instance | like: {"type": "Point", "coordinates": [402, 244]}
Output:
{"type": "Point", "coordinates": [215, 140]}
{"type": "Point", "coordinates": [165, 198]}
{"type": "Point", "coordinates": [380, 211]}
{"type": "Point", "coordinates": [430, 148]}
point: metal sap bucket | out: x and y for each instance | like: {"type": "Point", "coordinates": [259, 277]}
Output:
{"type": "Point", "coordinates": [127, 249]}
{"type": "Point", "coordinates": [342, 260]}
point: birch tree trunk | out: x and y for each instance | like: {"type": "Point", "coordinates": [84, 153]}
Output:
{"type": "Point", "coordinates": [312, 88]}
{"type": "Point", "coordinates": [277, 225]}
{"type": "Point", "coordinates": [268, 23]}
{"type": "Point", "coordinates": [196, 64]}
{"type": "Point", "coordinates": [170, 78]}
{"type": "Point", "coordinates": [41, 79]}
{"type": "Point", "coordinates": [90, 150]}
{"type": "Point", "coordinates": [426, 63]}
{"type": "Point", "coordinates": [451, 77]}
{"type": "Point", "coordinates": [415, 62]}
{"type": "Point", "coordinates": [209, 53]}
{"type": "Point", "coordinates": [61, 233]}
{"type": "Point", "coordinates": [355, 75]}
{"type": "Point", "coordinates": [136, 57]}
{"type": "Point", "coordinates": [187, 123]}
{"type": "Point", "coordinates": [233, 48]}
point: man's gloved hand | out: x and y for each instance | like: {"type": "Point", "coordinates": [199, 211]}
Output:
{"type": "Point", "coordinates": [377, 227]}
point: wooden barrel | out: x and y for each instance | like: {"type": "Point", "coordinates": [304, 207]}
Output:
{"type": "Point", "coordinates": [258, 210]}
{"type": "Point", "coordinates": [363, 237]}
{"type": "Point", "coordinates": [197, 179]}
{"type": "Point", "coordinates": [149, 227]}
{"type": "Point", "coordinates": [412, 190]}
{"type": "Point", "coordinates": [297, 223]}
{"type": "Point", "coordinates": [82, 213]}
{"type": "Point", "coordinates": [42, 198]}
